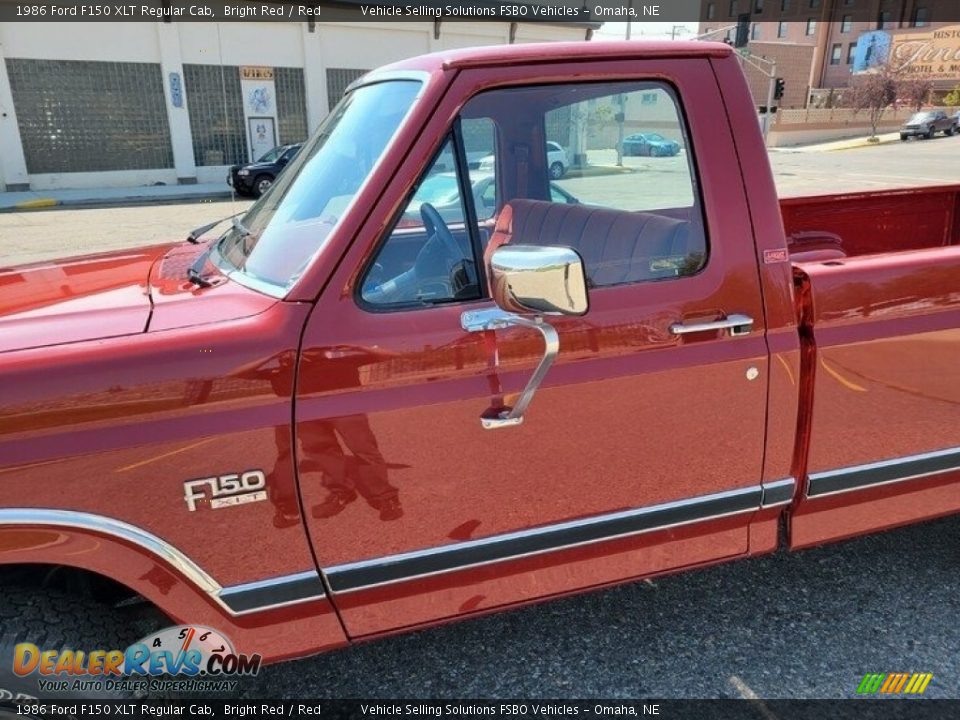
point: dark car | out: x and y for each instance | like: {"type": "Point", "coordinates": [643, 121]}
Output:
{"type": "Point", "coordinates": [928, 122]}
{"type": "Point", "coordinates": [256, 178]}
{"type": "Point", "coordinates": [650, 145]}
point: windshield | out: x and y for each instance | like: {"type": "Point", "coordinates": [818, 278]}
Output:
{"type": "Point", "coordinates": [441, 189]}
{"type": "Point", "coordinates": [654, 137]}
{"type": "Point", "coordinates": [284, 229]}
{"type": "Point", "coordinates": [271, 155]}
{"type": "Point", "coordinates": [921, 117]}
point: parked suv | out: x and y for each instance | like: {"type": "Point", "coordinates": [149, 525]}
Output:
{"type": "Point", "coordinates": [256, 178]}
{"type": "Point", "coordinates": [927, 123]}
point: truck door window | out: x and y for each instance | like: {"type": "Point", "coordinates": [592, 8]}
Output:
{"type": "Point", "coordinates": [605, 168]}
{"type": "Point", "coordinates": [428, 257]}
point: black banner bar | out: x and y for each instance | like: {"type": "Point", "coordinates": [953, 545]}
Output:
{"type": "Point", "coordinates": [896, 14]}
{"type": "Point", "coordinates": [513, 709]}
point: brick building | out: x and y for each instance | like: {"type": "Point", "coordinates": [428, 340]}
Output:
{"type": "Point", "coordinates": [831, 29]}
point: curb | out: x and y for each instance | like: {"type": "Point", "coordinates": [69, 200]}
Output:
{"type": "Point", "coordinates": [36, 204]}
{"type": "Point", "coordinates": [47, 203]}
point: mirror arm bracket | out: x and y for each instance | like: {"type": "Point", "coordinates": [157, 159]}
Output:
{"type": "Point", "coordinates": [497, 319]}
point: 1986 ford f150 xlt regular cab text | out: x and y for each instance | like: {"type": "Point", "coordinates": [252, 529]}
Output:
{"type": "Point", "coordinates": [401, 389]}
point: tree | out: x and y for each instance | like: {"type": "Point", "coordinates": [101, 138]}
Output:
{"type": "Point", "coordinates": [872, 92]}
{"type": "Point", "coordinates": [952, 98]}
{"type": "Point", "coordinates": [914, 90]}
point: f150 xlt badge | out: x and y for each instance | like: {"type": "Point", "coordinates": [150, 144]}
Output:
{"type": "Point", "coordinates": [226, 490]}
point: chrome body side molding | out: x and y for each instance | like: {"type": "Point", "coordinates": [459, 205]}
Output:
{"type": "Point", "coordinates": [510, 546]}
{"type": "Point", "coordinates": [779, 492]}
{"type": "Point", "coordinates": [234, 600]}
{"type": "Point", "coordinates": [858, 477]}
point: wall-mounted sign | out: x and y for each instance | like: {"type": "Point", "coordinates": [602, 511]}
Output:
{"type": "Point", "coordinates": [263, 136]}
{"type": "Point", "coordinates": [873, 48]}
{"type": "Point", "coordinates": [256, 72]}
{"type": "Point", "coordinates": [259, 99]}
{"type": "Point", "coordinates": [934, 54]}
{"type": "Point", "coordinates": [176, 90]}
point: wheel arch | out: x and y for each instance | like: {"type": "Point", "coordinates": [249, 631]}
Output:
{"type": "Point", "coordinates": [149, 568]}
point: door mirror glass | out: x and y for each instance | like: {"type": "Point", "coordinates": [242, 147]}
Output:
{"type": "Point", "coordinates": [539, 279]}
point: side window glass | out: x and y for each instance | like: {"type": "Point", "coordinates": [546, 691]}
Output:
{"type": "Point", "coordinates": [480, 142]}
{"type": "Point", "coordinates": [427, 258]}
{"type": "Point", "coordinates": [616, 156]}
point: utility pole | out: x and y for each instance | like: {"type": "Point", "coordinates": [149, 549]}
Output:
{"type": "Point", "coordinates": [768, 68]}
{"type": "Point", "coordinates": [629, 11]}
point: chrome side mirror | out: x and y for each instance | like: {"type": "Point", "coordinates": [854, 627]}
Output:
{"type": "Point", "coordinates": [533, 280]}
{"type": "Point", "coordinates": [539, 279]}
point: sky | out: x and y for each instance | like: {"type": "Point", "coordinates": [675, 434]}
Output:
{"type": "Point", "coordinates": [646, 30]}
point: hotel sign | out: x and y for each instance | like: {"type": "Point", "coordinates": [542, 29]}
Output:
{"type": "Point", "coordinates": [935, 54]}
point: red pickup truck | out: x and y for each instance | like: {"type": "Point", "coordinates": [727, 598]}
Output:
{"type": "Point", "coordinates": [401, 390]}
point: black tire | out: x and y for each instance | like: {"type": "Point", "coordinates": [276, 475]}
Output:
{"type": "Point", "coordinates": [929, 134]}
{"type": "Point", "coordinates": [556, 170]}
{"type": "Point", "coordinates": [53, 620]}
{"type": "Point", "coordinates": [949, 131]}
{"type": "Point", "coordinates": [903, 138]}
{"type": "Point", "coordinates": [262, 183]}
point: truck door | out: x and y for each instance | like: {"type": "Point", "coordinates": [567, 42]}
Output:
{"type": "Point", "coordinates": [642, 448]}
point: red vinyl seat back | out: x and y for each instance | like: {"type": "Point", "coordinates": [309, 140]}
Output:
{"type": "Point", "coordinates": [616, 246]}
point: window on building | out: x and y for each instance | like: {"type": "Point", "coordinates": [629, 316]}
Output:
{"type": "Point", "coordinates": [851, 53]}
{"type": "Point", "coordinates": [215, 104]}
{"type": "Point", "coordinates": [814, 4]}
{"type": "Point", "coordinates": [782, 29]}
{"type": "Point", "coordinates": [848, 2]}
{"type": "Point", "coordinates": [80, 116]}
{"type": "Point", "coordinates": [846, 23]}
{"type": "Point", "coordinates": [711, 11]}
{"type": "Point", "coordinates": [755, 31]}
{"type": "Point", "coordinates": [338, 80]}
{"type": "Point", "coordinates": [733, 8]}
{"type": "Point", "coordinates": [836, 53]}
{"type": "Point", "coordinates": [291, 105]}
{"type": "Point", "coordinates": [811, 26]}
{"type": "Point", "coordinates": [884, 21]}
{"type": "Point", "coordinates": [921, 17]}
{"type": "Point", "coordinates": [757, 6]}
{"type": "Point", "coordinates": [784, 5]}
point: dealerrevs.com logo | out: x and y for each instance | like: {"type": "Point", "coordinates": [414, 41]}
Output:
{"type": "Point", "coordinates": [185, 658]}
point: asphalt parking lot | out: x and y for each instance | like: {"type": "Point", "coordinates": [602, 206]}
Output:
{"type": "Point", "coordinates": [43, 234]}
{"type": "Point", "coordinates": [805, 625]}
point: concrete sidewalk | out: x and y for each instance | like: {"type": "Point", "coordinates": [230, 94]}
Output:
{"type": "Point", "coordinates": [93, 197]}
{"type": "Point", "coordinates": [845, 144]}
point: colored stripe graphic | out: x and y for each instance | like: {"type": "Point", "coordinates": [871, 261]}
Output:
{"type": "Point", "coordinates": [894, 683]}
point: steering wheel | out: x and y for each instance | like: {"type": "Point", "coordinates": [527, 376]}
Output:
{"type": "Point", "coordinates": [436, 227]}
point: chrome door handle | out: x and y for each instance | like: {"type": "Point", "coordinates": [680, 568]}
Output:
{"type": "Point", "coordinates": [737, 324]}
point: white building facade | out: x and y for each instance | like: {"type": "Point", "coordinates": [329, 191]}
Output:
{"type": "Point", "coordinates": [132, 104]}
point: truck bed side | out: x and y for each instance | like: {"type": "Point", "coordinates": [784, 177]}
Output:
{"type": "Point", "coordinates": [882, 331]}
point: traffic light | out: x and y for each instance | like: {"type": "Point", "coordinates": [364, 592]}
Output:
{"type": "Point", "coordinates": [778, 88]}
{"type": "Point", "coordinates": [743, 31]}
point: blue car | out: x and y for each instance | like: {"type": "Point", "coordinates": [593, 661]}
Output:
{"type": "Point", "coordinates": [649, 145]}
